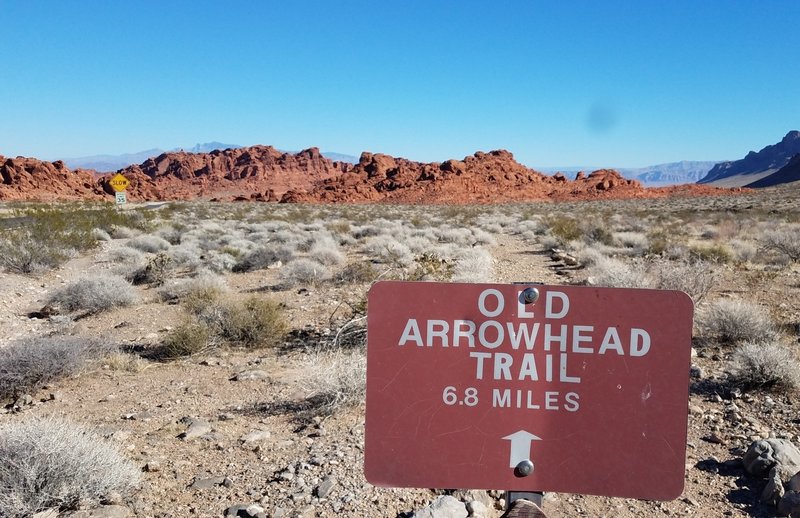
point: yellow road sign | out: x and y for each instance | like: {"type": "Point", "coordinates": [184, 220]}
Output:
{"type": "Point", "coordinates": [119, 183]}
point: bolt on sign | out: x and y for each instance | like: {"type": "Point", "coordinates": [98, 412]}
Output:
{"type": "Point", "coordinates": [528, 388]}
{"type": "Point", "coordinates": [118, 182]}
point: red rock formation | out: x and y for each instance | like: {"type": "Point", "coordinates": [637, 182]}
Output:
{"type": "Point", "coordinates": [31, 179]}
{"type": "Point", "coordinates": [481, 178]}
{"type": "Point", "coordinates": [257, 172]}
{"type": "Point", "coordinates": [261, 173]}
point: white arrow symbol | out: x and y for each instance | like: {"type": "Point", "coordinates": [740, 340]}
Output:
{"type": "Point", "coordinates": [520, 446]}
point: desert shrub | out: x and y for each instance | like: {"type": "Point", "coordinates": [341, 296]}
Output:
{"type": "Point", "coordinates": [51, 234]}
{"type": "Point", "coordinates": [764, 365]}
{"type": "Point", "coordinates": [253, 322]}
{"type": "Point", "coordinates": [696, 279]}
{"type": "Point", "coordinates": [327, 253]}
{"type": "Point", "coordinates": [205, 288]}
{"type": "Point", "coordinates": [356, 272]}
{"type": "Point", "coordinates": [736, 321]}
{"type": "Point", "coordinates": [388, 249]}
{"type": "Point", "coordinates": [53, 463]}
{"type": "Point", "coordinates": [742, 251]}
{"type": "Point", "coordinates": [125, 255]}
{"type": "Point", "coordinates": [302, 271]}
{"type": "Point", "coordinates": [264, 257]}
{"type": "Point", "coordinates": [219, 262]}
{"type": "Point", "coordinates": [564, 228]}
{"type": "Point", "coordinates": [481, 237]}
{"type": "Point", "coordinates": [186, 339]}
{"type": "Point", "coordinates": [785, 241]}
{"type": "Point", "coordinates": [473, 265]}
{"type": "Point", "coordinates": [596, 233]}
{"type": "Point", "coordinates": [22, 252]}
{"type": "Point", "coordinates": [430, 266]}
{"type": "Point", "coordinates": [28, 364]}
{"type": "Point", "coordinates": [635, 242]}
{"type": "Point", "coordinates": [148, 243]}
{"type": "Point", "coordinates": [172, 234]}
{"type": "Point", "coordinates": [717, 253]}
{"type": "Point", "coordinates": [100, 234]}
{"type": "Point", "coordinates": [154, 272]}
{"type": "Point", "coordinates": [613, 273]}
{"type": "Point", "coordinates": [122, 232]}
{"type": "Point", "coordinates": [93, 294]}
{"type": "Point", "coordinates": [335, 379]}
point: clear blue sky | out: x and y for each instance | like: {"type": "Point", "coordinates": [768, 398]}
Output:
{"type": "Point", "coordinates": [600, 83]}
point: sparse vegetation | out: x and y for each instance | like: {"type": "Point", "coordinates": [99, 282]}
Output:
{"type": "Point", "coordinates": [303, 271]}
{"type": "Point", "coordinates": [335, 379]}
{"type": "Point", "coordinates": [731, 321]}
{"type": "Point", "coordinates": [764, 366]}
{"type": "Point", "coordinates": [187, 339]}
{"type": "Point", "coordinates": [253, 322]}
{"type": "Point", "coordinates": [93, 295]}
{"type": "Point", "coordinates": [28, 364]}
{"type": "Point", "coordinates": [785, 241]}
{"type": "Point", "coordinates": [55, 464]}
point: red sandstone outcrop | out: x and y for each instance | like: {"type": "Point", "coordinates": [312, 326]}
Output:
{"type": "Point", "coordinates": [261, 173]}
{"type": "Point", "coordinates": [257, 172]}
{"type": "Point", "coordinates": [480, 178]}
{"type": "Point", "coordinates": [31, 179]}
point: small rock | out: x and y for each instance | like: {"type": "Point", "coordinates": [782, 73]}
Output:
{"type": "Point", "coordinates": [49, 513]}
{"type": "Point", "coordinates": [197, 428]}
{"type": "Point", "coordinates": [477, 509]}
{"type": "Point", "coordinates": [257, 375]}
{"type": "Point", "coordinates": [773, 491]}
{"type": "Point", "coordinates": [245, 511]}
{"type": "Point", "coordinates": [23, 400]}
{"type": "Point", "coordinates": [152, 466]}
{"type": "Point", "coordinates": [205, 483]}
{"type": "Point", "coordinates": [324, 487]}
{"type": "Point", "coordinates": [255, 436]}
{"type": "Point", "coordinates": [443, 507]}
{"type": "Point", "coordinates": [765, 454]}
{"type": "Point", "coordinates": [794, 482]}
{"type": "Point", "coordinates": [695, 372]}
{"type": "Point", "coordinates": [106, 511]}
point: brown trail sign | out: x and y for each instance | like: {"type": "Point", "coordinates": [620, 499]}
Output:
{"type": "Point", "coordinates": [540, 388]}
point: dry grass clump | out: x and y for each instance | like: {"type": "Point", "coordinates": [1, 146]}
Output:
{"type": "Point", "coordinates": [154, 272]}
{"type": "Point", "coordinates": [356, 272]}
{"type": "Point", "coordinates": [302, 271]}
{"type": "Point", "coordinates": [22, 252]}
{"type": "Point", "coordinates": [126, 255]}
{"type": "Point", "coordinates": [785, 241]}
{"type": "Point", "coordinates": [55, 464]}
{"type": "Point", "coordinates": [149, 243]}
{"type": "Point", "coordinates": [335, 380]}
{"type": "Point", "coordinates": [93, 294]}
{"type": "Point", "coordinates": [696, 279]}
{"type": "Point", "coordinates": [764, 366]}
{"type": "Point", "coordinates": [732, 321]}
{"type": "Point", "coordinates": [187, 339]}
{"type": "Point", "coordinates": [264, 257]}
{"type": "Point", "coordinates": [198, 291]}
{"type": "Point", "coordinates": [717, 253]}
{"type": "Point", "coordinates": [26, 365]}
{"type": "Point", "coordinates": [613, 273]}
{"type": "Point", "coordinates": [474, 265]}
{"type": "Point", "coordinates": [253, 322]}
{"type": "Point", "coordinates": [327, 253]}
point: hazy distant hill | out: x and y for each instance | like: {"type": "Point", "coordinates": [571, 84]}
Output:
{"type": "Point", "coordinates": [755, 166]}
{"type": "Point", "coordinates": [673, 173]}
{"type": "Point", "coordinates": [108, 163]}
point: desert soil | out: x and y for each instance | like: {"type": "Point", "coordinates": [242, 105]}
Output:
{"type": "Point", "coordinates": [310, 468]}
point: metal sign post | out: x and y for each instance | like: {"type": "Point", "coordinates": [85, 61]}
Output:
{"type": "Point", "coordinates": [560, 388]}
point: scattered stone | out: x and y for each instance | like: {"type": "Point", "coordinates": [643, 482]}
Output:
{"type": "Point", "coordinates": [477, 509]}
{"type": "Point", "coordinates": [763, 455]}
{"type": "Point", "coordinates": [257, 375]}
{"type": "Point", "coordinates": [773, 491]}
{"type": "Point", "coordinates": [324, 488]}
{"type": "Point", "coordinates": [205, 483]}
{"type": "Point", "coordinates": [695, 372]}
{"type": "Point", "coordinates": [152, 466]}
{"type": "Point", "coordinates": [197, 428]}
{"type": "Point", "coordinates": [23, 401]}
{"type": "Point", "coordinates": [794, 482]}
{"type": "Point", "coordinates": [445, 506]}
{"type": "Point", "coordinates": [48, 513]}
{"type": "Point", "coordinates": [255, 437]}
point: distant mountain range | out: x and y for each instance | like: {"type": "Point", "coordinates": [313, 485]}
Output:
{"type": "Point", "coordinates": [673, 173]}
{"type": "Point", "coordinates": [109, 163]}
{"type": "Point", "coordinates": [759, 169]}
